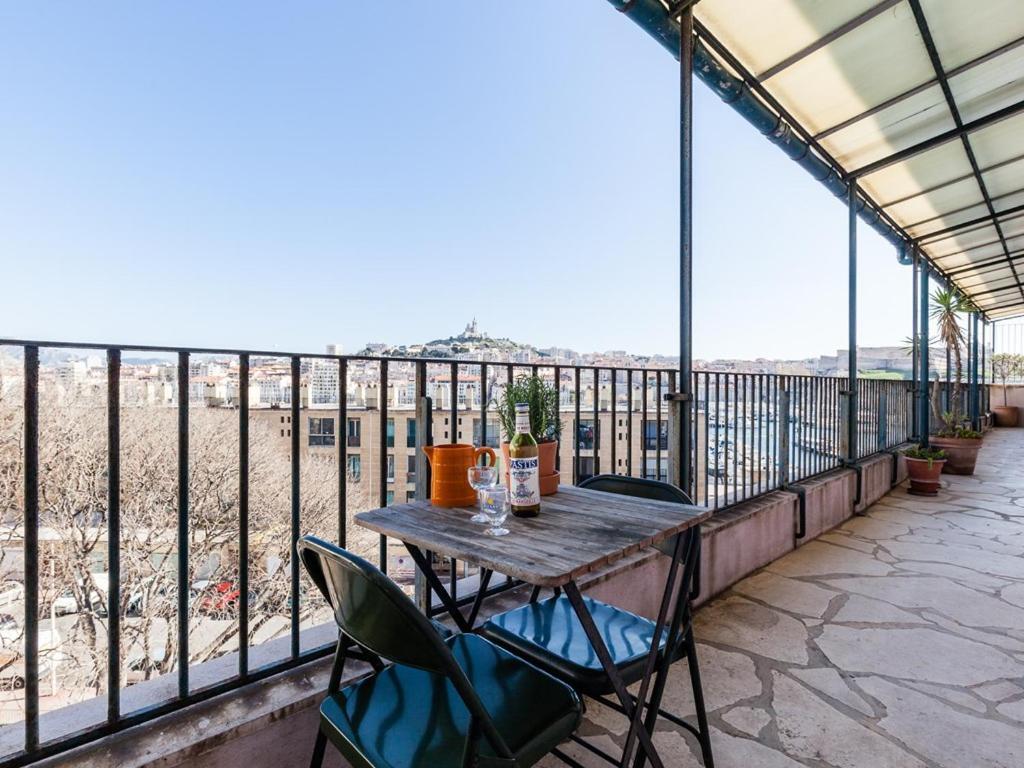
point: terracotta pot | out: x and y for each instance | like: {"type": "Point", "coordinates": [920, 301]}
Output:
{"type": "Point", "coordinates": [924, 475]}
{"type": "Point", "coordinates": [961, 453]}
{"type": "Point", "coordinates": [549, 476]}
{"type": "Point", "coordinates": [449, 473]}
{"type": "Point", "coordinates": [1006, 415]}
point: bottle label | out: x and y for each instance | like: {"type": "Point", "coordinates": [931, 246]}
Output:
{"type": "Point", "coordinates": [523, 423]}
{"type": "Point", "coordinates": [524, 475]}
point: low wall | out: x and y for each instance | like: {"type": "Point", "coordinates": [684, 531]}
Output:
{"type": "Point", "coordinates": [273, 722]}
{"type": "Point", "coordinates": [751, 535]}
{"type": "Point", "coordinates": [1014, 395]}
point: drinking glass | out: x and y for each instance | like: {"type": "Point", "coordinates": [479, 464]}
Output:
{"type": "Point", "coordinates": [495, 504]}
{"type": "Point", "coordinates": [482, 478]}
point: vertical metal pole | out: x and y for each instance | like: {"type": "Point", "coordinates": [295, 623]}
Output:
{"type": "Point", "coordinates": [614, 435]}
{"type": "Point", "coordinates": [851, 442]}
{"type": "Point", "coordinates": [293, 555]}
{"type": "Point", "coordinates": [915, 337]}
{"type": "Point", "coordinates": [31, 547]}
{"type": "Point", "coordinates": [782, 433]}
{"type": "Point", "coordinates": [183, 499]}
{"type": "Point", "coordinates": [629, 422]}
{"type": "Point", "coordinates": [975, 390]}
{"type": "Point", "coordinates": [576, 433]}
{"type": "Point", "coordinates": [382, 473]}
{"type": "Point", "coordinates": [424, 437]}
{"type": "Point", "coordinates": [923, 406]}
{"type": "Point", "coordinates": [342, 436]}
{"type": "Point", "coordinates": [243, 516]}
{"type": "Point", "coordinates": [685, 243]}
{"type": "Point", "coordinates": [597, 423]}
{"type": "Point", "coordinates": [984, 388]}
{"type": "Point", "coordinates": [483, 403]}
{"type": "Point", "coordinates": [113, 535]}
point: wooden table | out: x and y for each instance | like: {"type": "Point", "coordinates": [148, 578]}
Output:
{"type": "Point", "coordinates": [578, 531]}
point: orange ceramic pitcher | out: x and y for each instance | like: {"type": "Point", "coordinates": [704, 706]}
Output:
{"type": "Point", "coordinates": [449, 470]}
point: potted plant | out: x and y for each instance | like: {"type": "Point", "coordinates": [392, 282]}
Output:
{"type": "Point", "coordinates": [1004, 367]}
{"type": "Point", "coordinates": [924, 465]}
{"type": "Point", "coordinates": [545, 423]}
{"type": "Point", "coordinates": [956, 439]}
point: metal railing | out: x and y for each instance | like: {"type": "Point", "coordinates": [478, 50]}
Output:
{"type": "Point", "coordinates": [752, 433]}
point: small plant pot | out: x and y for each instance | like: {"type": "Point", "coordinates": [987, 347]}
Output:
{"type": "Point", "coordinates": [961, 453]}
{"type": "Point", "coordinates": [924, 476]}
{"type": "Point", "coordinates": [549, 476]}
{"type": "Point", "coordinates": [1006, 415]}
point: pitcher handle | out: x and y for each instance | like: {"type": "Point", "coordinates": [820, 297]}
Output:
{"type": "Point", "coordinates": [487, 452]}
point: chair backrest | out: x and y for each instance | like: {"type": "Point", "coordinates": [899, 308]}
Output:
{"type": "Point", "coordinates": [371, 609]}
{"type": "Point", "coordinates": [640, 488]}
{"type": "Point", "coordinates": [658, 491]}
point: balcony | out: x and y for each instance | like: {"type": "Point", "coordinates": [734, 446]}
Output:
{"type": "Point", "coordinates": [152, 607]}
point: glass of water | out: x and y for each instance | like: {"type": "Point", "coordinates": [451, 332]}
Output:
{"type": "Point", "coordinates": [495, 503]}
{"type": "Point", "coordinates": [482, 478]}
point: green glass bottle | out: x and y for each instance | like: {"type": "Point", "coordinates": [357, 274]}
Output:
{"type": "Point", "coordinates": [524, 467]}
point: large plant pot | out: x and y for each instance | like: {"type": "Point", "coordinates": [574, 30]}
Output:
{"type": "Point", "coordinates": [961, 453]}
{"type": "Point", "coordinates": [924, 476]}
{"type": "Point", "coordinates": [1006, 415]}
{"type": "Point", "coordinates": [549, 476]}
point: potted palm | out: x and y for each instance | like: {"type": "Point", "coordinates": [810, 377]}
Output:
{"type": "Point", "coordinates": [545, 423]}
{"type": "Point", "coordinates": [956, 439]}
{"type": "Point", "coordinates": [924, 465]}
{"type": "Point", "coordinates": [1005, 367]}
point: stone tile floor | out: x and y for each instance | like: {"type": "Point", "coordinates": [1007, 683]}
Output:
{"type": "Point", "coordinates": [894, 641]}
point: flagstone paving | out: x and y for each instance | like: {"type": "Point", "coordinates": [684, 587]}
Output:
{"type": "Point", "coordinates": [896, 640]}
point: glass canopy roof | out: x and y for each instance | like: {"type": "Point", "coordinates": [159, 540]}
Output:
{"type": "Point", "coordinates": [922, 101]}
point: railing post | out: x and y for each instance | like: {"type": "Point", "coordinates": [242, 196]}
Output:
{"type": "Point", "coordinates": [685, 247]}
{"type": "Point", "coordinates": [782, 427]}
{"type": "Point", "coordinates": [674, 407]}
{"type": "Point", "coordinates": [844, 423]}
{"type": "Point", "coordinates": [851, 425]}
{"type": "Point", "coordinates": [883, 420]}
{"type": "Point", "coordinates": [424, 437]}
{"type": "Point", "coordinates": [923, 405]}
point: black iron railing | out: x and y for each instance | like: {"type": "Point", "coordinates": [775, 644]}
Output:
{"type": "Point", "coordinates": [752, 433]}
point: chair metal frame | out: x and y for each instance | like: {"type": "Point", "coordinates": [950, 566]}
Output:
{"type": "Point", "coordinates": [433, 655]}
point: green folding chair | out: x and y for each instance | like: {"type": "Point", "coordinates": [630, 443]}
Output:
{"type": "Point", "coordinates": [548, 632]}
{"type": "Point", "coordinates": [456, 701]}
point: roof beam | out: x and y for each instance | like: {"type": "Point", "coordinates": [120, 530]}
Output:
{"type": "Point", "coordinates": [940, 233]}
{"type": "Point", "coordinates": [939, 139]}
{"type": "Point", "coordinates": [919, 88]}
{"type": "Point", "coordinates": [821, 42]}
{"type": "Point", "coordinates": [933, 55]}
{"type": "Point", "coordinates": [1001, 261]}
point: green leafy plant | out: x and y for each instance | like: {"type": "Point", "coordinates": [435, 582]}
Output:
{"type": "Point", "coordinates": [542, 398]}
{"type": "Point", "coordinates": [947, 306]}
{"type": "Point", "coordinates": [925, 453]}
{"type": "Point", "coordinates": [1006, 366]}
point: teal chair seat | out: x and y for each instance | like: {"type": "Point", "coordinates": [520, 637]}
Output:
{"type": "Point", "coordinates": [550, 635]}
{"type": "Point", "coordinates": [405, 717]}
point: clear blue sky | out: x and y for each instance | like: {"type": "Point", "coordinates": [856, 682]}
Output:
{"type": "Point", "coordinates": [284, 175]}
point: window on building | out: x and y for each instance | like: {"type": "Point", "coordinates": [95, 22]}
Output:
{"type": "Point", "coordinates": [354, 432]}
{"type": "Point", "coordinates": [410, 468]}
{"type": "Point", "coordinates": [410, 433]}
{"type": "Point", "coordinates": [390, 498]}
{"type": "Point", "coordinates": [321, 431]}
{"type": "Point", "coordinates": [655, 433]}
{"type": "Point", "coordinates": [585, 434]}
{"type": "Point", "coordinates": [391, 433]}
{"type": "Point", "coordinates": [355, 468]}
{"type": "Point", "coordinates": [391, 467]}
{"type": "Point", "coordinates": [586, 467]}
{"type": "Point", "coordinates": [410, 496]}
{"type": "Point", "coordinates": [493, 433]}
{"type": "Point", "coordinates": [654, 472]}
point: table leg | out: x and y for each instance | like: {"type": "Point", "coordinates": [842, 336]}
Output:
{"type": "Point", "coordinates": [572, 592]}
{"type": "Point", "coordinates": [435, 583]}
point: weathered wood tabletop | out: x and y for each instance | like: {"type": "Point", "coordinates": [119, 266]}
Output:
{"type": "Point", "coordinates": [578, 531]}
